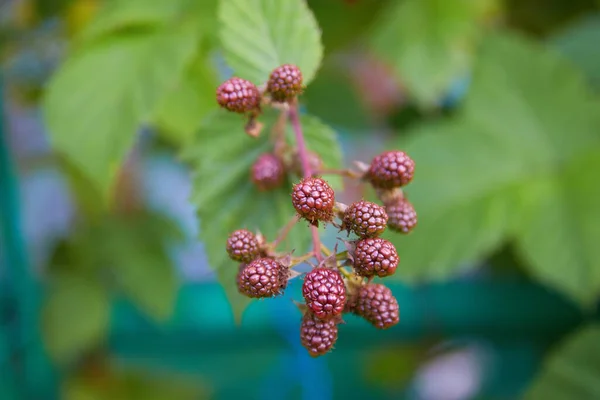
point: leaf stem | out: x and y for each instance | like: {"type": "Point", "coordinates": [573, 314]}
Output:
{"type": "Point", "coordinates": [303, 154]}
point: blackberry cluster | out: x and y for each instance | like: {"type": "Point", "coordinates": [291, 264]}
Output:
{"type": "Point", "coordinates": [339, 283]}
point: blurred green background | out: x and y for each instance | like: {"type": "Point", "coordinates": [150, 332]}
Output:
{"type": "Point", "coordinates": [109, 159]}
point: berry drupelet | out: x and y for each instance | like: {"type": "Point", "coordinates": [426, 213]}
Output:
{"type": "Point", "coordinates": [313, 199]}
{"type": "Point", "coordinates": [377, 304]}
{"type": "Point", "coordinates": [285, 83]}
{"type": "Point", "coordinates": [243, 246]}
{"type": "Point", "coordinates": [365, 219]}
{"type": "Point", "coordinates": [263, 277]}
{"type": "Point", "coordinates": [375, 257]}
{"type": "Point", "coordinates": [391, 169]}
{"type": "Point", "coordinates": [402, 216]}
{"type": "Point", "coordinates": [238, 95]}
{"type": "Point", "coordinates": [324, 292]}
{"type": "Point", "coordinates": [316, 335]}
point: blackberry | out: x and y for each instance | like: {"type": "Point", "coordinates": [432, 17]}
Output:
{"type": "Point", "coordinates": [316, 335]}
{"type": "Point", "coordinates": [238, 95]}
{"type": "Point", "coordinates": [313, 199]}
{"type": "Point", "coordinates": [377, 304]}
{"type": "Point", "coordinates": [365, 219]}
{"type": "Point", "coordinates": [375, 256]}
{"type": "Point", "coordinates": [243, 246]}
{"type": "Point", "coordinates": [402, 216]}
{"type": "Point", "coordinates": [391, 169]}
{"type": "Point", "coordinates": [285, 82]}
{"type": "Point", "coordinates": [268, 172]}
{"type": "Point", "coordinates": [263, 277]}
{"type": "Point", "coordinates": [324, 292]}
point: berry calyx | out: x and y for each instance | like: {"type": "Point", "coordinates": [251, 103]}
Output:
{"type": "Point", "coordinates": [267, 172]}
{"type": "Point", "coordinates": [324, 292]}
{"type": "Point", "coordinates": [365, 219]}
{"type": "Point", "coordinates": [243, 246]}
{"type": "Point", "coordinates": [285, 83]}
{"type": "Point", "coordinates": [375, 256]}
{"type": "Point", "coordinates": [263, 277]}
{"type": "Point", "coordinates": [377, 304]}
{"type": "Point", "coordinates": [238, 95]}
{"type": "Point", "coordinates": [391, 169]}
{"type": "Point", "coordinates": [313, 199]}
{"type": "Point", "coordinates": [402, 216]}
{"type": "Point", "coordinates": [316, 335]}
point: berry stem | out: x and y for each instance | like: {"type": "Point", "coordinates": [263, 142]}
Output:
{"type": "Point", "coordinates": [303, 154]}
{"type": "Point", "coordinates": [285, 231]}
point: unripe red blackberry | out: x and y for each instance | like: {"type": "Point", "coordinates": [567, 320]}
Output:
{"type": "Point", "coordinates": [402, 216]}
{"type": "Point", "coordinates": [263, 277]}
{"type": "Point", "coordinates": [316, 335]}
{"type": "Point", "coordinates": [285, 82]}
{"type": "Point", "coordinates": [238, 95]}
{"type": "Point", "coordinates": [365, 219]}
{"type": "Point", "coordinates": [243, 246]}
{"type": "Point", "coordinates": [268, 172]}
{"type": "Point", "coordinates": [324, 292]}
{"type": "Point", "coordinates": [313, 199]}
{"type": "Point", "coordinates": [375, 256]}
{"type": "Point", "coordinates": [391, 169]}
{"type": "Point", "coordinates": [377, 304]}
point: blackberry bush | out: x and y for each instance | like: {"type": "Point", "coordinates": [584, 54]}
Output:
{"type": "Point", "coordinates": [365, 219]}
{"type": "Point", "coordinates": [402, 216]}
{"type": "Point", "coordinates": [375, 256]}
{"type": "Point", "coordinates": [264, 277]}
{"type": "Point", "coordinates": [268, 172]}
{"type": "Point", "coordinates": [238, 95]}
{"type": "Point", "coordinates": [316, 335]}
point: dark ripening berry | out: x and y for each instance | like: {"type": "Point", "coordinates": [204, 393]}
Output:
{"type": "Point", "coordinates": [313, 199]}
{"type": "Point", "coordinates": [316, 335]}
{"type": "Point", "coordinates": [365, 219]}
{"type": "Point", "coordinates": [268, 172]}
{"type": "Point", "coordinates": [324, 292]}
{"type": "Point", "coordinates": [285, 83]}
{"type": "Point", "coordinates": [263, 277]}
{"type": "Point", "coordinates": [375, 256]}
{"type": "Point", "coordinates": [402, 216]}
{"type": "Point", "coordinates": [238, 95]}
{"type": "Point", "coordinates": [391, 169]}
{"type": "Point", "coordinates": [377, 304]}
{"type": "Point", "coordinates": [243, 246]}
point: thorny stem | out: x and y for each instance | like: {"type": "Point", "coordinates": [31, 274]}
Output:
{"type": "Point", "coordinates": [279, 133]}
{"type": "Point", "coordinates": [303, 154]}
{"type": "Point", "coordinates": [285, 230]}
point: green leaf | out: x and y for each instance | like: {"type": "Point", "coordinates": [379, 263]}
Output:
{"type": "Point", "coordinates": [221, 159]}
{"type": "Point", "coordinates": [260, 35]}
{"type": "Point", "coordinates": [75, 317]}
{"type": "Point", "coordinates": [97, 100]}
{"type": "Point", "coordinates": [560, 236]}
{"type": "Point", "coordinates": [179, 114]}
{"type": "Point", "coordinates": [115, 15]}
{"type": "Point", "coordinates": [513, 165]}
{"type": "Point", "coordinates": [579, 43]}
{"type": "Point", "coordinates": [571, 371]}
{"type": "Point", "coordinates": [430, 42]}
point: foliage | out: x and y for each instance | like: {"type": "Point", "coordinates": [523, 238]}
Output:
{"type": "Point", "coordinates": [571, 370]}
{"type": "Point", "coordinates": [515, 163]}
{"type": "Point", "coordinates": [523, 179]}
